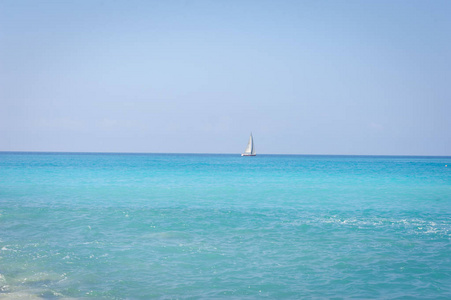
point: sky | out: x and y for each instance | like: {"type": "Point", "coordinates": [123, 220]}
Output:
{"type": "Point", "coordinates": [305, 77]}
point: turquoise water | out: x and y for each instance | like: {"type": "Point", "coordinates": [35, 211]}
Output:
{"type": "Point", "coordinates": [130, 226]}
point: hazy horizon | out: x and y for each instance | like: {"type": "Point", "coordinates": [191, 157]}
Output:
{"type": "Point", "coordinates": [305, 77]}
{"type": "Point", "coordinates": [227, 154]}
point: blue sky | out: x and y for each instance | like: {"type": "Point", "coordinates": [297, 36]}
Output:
{"type": "Point", "coordinates": [305, 77]}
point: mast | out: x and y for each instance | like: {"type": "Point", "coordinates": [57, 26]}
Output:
{"type": "Point", "coordinates": [253, 148]}
{"type": "Point", "coordinates": [250, 149]}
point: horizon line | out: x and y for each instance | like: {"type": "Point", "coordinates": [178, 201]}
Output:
{"type": "Point", "coordinates": [200, 153]}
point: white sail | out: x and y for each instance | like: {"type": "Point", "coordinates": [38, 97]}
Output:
{"type": "Point", "coordinates": [250, 149]}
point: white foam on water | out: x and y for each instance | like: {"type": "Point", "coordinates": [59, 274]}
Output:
{"type": "Point", "coordinates": [20, 295]}
{"type": "Point", "coordinates": [5, 248]}
{"type": "Point", "coordinates": [32, 295]}
{"type": "Point", "coordinates": [31, 286]}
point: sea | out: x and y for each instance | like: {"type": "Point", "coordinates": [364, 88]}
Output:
{"type": "Point", "coordinates": [212, 226]}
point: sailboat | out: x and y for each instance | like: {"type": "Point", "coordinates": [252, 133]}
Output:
{"type": "Point", "coordinates": [250, 149]}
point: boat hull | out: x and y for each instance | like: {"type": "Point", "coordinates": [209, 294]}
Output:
{"type": "Point", "coordinates": [248, 154]}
